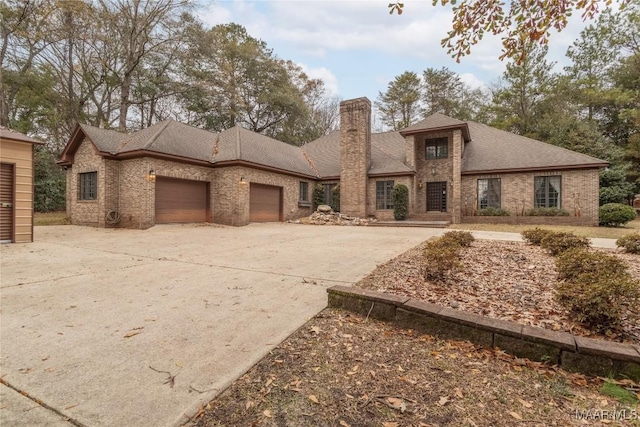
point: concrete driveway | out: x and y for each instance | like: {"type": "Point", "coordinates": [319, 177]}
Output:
{"type": "Point", "coordinates": [129, 327]}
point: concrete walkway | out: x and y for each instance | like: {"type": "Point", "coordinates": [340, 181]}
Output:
{"type": "Point", "coordinates": [140, 328]}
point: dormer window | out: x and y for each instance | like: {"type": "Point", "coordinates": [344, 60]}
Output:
{"type": "Point", "coordinates": [437, 148]}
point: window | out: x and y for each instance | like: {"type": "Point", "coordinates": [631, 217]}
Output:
{"type": "Point", "coordinates": [437, 148]}
{"type": "Point", "coordinates": [383, 195]}
{"type": "Point", "coordinates": [304, 192]}
{"type": "Point", "coordinates": [328, 194]}
{"type": "Point", "coordinates": [489, 193]}
{"type": "Point", "coordinates": [88, 186]}
{"type": "Point", "coordinates": [547, 191]}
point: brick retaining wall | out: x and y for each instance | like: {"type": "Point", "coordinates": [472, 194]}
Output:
{"type": "Point", "coordinates": [573, 353]}
{"type": "Point", "coordinates": [530, 220]}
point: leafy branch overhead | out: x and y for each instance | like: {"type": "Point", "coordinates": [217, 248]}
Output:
{"type": "Point", "coordinates": [521, 23]}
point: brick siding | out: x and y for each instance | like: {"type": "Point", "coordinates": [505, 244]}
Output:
{"type": "Point", "coordinates": [355, 155]}
{"type": "Point", "coordinates": [579, 193]}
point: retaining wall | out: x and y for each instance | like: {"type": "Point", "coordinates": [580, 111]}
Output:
{"type": "Point", "coordinates": [573, 353]}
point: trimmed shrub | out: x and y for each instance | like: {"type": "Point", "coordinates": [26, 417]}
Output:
{"type": "Point", "coordinates": [442, 256]}
{"type": "Point", "coordinates": [318, 196]}
{"type": "Point", "coordinates": [574, 263]}
{"type": "Point", "coordinates": [598, 300]}
{"type": "Point", "coordinates": [400, 195]}
{"type": "Point", "coordinates": [493, 212]}
{"type": "Point", "coordinates": [616, 214]}
{"type": "Point", "coordinates": [535, 235]}
{"type": "Point", "coordinates": [557, 243]}
{"type": "Point", "coordinates": [461, 238]}
{"type": "Point", "coordinates": [546, 212]}
{"type": "Point", "coordinates": [335, 198]}
{"type": "Point", "coordinates": [630, 243]}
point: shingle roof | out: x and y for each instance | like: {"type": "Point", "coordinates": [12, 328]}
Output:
{"type": "Point", "coordinates": [104, 139]}
{"type": "Point", "coordinates": [177, 139]}
{"type": "Point", "coordinates": [487, 149]}
{"type": "Point", "coordinates": [6, 133]}
{"type": "Point", "coordinates": [433, 121]}
{"type": "Point", "coordinates": [387, 154]}
{"type": "Point", "coordinates": [493, 149]}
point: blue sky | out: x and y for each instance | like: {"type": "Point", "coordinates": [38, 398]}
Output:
{"type": "Point", "coordinates": [356, 47]}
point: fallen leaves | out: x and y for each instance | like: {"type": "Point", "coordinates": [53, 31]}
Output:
{"type": "Point", "coordinates": [503, 280]}
{"type": "Point", "coordinates": [313, 398]}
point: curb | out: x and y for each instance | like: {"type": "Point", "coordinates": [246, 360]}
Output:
{"type": "Point", "coordinates": [573, 353]}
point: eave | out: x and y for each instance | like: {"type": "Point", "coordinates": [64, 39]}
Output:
{"type": "Point", "coordinates": [536, 169]}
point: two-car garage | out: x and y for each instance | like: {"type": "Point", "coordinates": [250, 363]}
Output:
{"type": "Point", "coordinates": [183, 201]}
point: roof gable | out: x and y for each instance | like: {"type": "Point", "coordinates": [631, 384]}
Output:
{"type": "Point", "coordinates": [436, 122]}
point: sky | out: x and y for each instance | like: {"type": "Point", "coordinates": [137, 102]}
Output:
{"type": "Point", "coordinates": [357, 47]}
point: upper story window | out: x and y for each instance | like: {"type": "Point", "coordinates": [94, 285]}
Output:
{"type": "Point", "coordinates": [384, 199]}
{"type": "Point", "coordinates": [304, 191]}
{"type": "Point", "coordinates": [88, 186]}
{"type": "Point", "coordinates": [437, 148]}
{"type": "Point", "coordinates": [489, 193]}
{"type": "Point", "coordinates": [547, 191]}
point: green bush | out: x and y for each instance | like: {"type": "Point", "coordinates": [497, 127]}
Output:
{"type": "Point", "coordinates": [557, 243]}
{"type": "Point", "coordinates": [335, 198]}
{"type": "Point", "coordinates": [442, 256]}
{"type": "Point", "coordinates": [535, 235]}
{"type": "Point", "coordinates": [493, 212]}
{"type": "Point", "coordinates": [630, 243]}
{"type": "Point", "coordinates": [400, 195]}
{"type": "Point", "coordinates": [598, 300]}
{"type": "Point", "coordinates": [616, 214]}
{"type": "Point", "coordinates": [546, 212]}
{"type": "Point", "coordinates": [318, 195]}
{"type": "Point", "coordinates": [461, 238]}
{"type": "Point", "coordinates": [574, 263]}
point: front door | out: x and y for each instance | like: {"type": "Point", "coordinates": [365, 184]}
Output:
{"type": "Point", "coordinates": [436, 196]}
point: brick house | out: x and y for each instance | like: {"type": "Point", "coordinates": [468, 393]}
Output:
{"type": "Point", "coordinates": [171, 172]}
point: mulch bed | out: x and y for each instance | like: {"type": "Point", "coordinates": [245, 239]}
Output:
{"type": "Point", "coordinates": [345, 370]}
{"type": "Point", "coordinates": [503, 280]}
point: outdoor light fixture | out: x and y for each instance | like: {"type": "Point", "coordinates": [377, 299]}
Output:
{"type": "Point", "coordinates": [152, 175]}
{"type": "Point", "coordinates": [242, 181]}
{"type": "Point", "coordinates": [433, 170]}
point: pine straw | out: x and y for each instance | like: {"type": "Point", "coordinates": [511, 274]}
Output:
{"type": "Point", "coordinates": [503, 280]}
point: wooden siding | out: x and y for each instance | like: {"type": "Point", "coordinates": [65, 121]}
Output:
{"type": "Point", "coordinates": [20, 154]}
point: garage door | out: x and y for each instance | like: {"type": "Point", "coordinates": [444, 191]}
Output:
{"type": "Point", "coordinates": [6, 202]}
{"type": "Point", "coordinates": [180, 200]}
{"type": "Point", "coordinates": [265, 203]}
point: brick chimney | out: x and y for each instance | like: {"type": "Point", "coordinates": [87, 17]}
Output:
{"type": "Point", "coordinates": [355, 155]}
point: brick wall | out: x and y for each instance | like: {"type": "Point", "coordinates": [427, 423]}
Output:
{"type": "Point", "coordinates": [579, 194]}
{"type": "Point", "coordinates": [387, 214]}
{"type": "Point", "coordinates": [436, 170]}
{"type": "Point", "coordinates": [355, 155]}
{"type": "Point", "coordinates": [86, 212]}
{"type": "Point", "coordinates": [232, 191]}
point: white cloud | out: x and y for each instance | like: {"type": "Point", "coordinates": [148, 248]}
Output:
{"type": "Point", "coordinates": [471, 80]}
{"type": "Point", "coordinates": [324, 74]}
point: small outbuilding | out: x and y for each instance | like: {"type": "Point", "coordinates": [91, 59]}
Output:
{"type": "Point", "coordinates": [16, 186]}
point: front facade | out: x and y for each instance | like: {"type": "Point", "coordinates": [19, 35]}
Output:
{"type": "Point", "coordinates": [16, 186]}
{"type": "Point", "coordinates": [455, 171]}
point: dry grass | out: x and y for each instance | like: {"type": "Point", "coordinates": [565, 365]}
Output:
{"type": "Point", "coordinates": [50, 218]}
{"type": "Point", "coordinates": [341, 369]}
{"type": "Point", "coordinates": [602, 232]}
